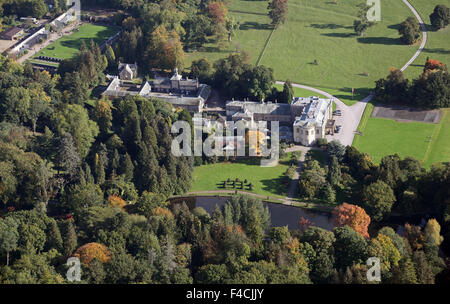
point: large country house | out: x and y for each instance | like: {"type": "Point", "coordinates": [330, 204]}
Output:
{"type": "Point", "coordinates": [310, 118]}
{"type": "Point", "coordinates": [186, 93]}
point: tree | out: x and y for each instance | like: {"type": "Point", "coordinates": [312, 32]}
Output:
{"type": "Point", "coordinates": [317, 248]}
{"type": "Point", "coordinates": [127, 167]}
{"type": "Point", "coordinates": [278, 10]}
{"type": "Point", "coordinates": [68, 158]}
{"type": "Point", "coordinates": [378, 199]}
{"type": "Point", "coordinates": [231, 25]}
{"type": "Point", "coordinates": [312, 179]}
{"type": "Point", "coordinates": [103, 116]}
{"type": "Point", "coordinates": [383, 248]}
{"type": "Point", "coordinates": [74, 119]}
{"type": "Point", "coordinates": [334, 172]}
{"type": "Point", "coordinates": [432, 91]}
{"type": "Point", "coordinates": [352, 216]}
{"type": "Point", "coordinates": [328, 193]}
{"type": "Point", "coordinates": [350, 247]}
{"type": "Point", "coordinates": [288, 92]}
{"type": "Point", "coordinates": [433, 232]}
{"type": "Point", "coordinates": [76, 87]}
{"type": "Point", "coordinates": [201, 69]}
{"type": "Point", "coordinates": [110, 56]}
{"type": "Point", "coordinates": [440, 17]}
{"type": "Point", "coordinates": [9, 236]}
{"type": "Point", "coordinates": [393, 89]}
{"type": "Point", "coordinates": [218, 12]}
{"type": "Point", "coordinates": [409, 30]}
{"type": "Point", "coordinates": [423, 269]}
{"type": "Point", "coordinates": [198, 28]}
{"type": "Point", "coordinates": [258, 82]}
{"type": "Point", "coordinates": [335, 148]}
{"type": "Point", "coordinates": [70, 239]}
{"type": "Point", "coordinates": [165, 50]}
{"type": "Point", "coordinates": [88, 252]}
{"type": "Point", "coordinates": [361, 25]}
{"type": "Point", "coordinates": [54, 239]}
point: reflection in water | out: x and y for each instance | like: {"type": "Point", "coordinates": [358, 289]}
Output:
{"type": "Point", "coordinates": [280, 215]}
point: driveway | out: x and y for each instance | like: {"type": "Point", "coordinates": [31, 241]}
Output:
{"type": "Point", "coordinates": [351, 115]}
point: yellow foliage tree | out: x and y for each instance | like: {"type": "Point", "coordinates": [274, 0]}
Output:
{"type": "Point", "coordinates": [162, 212]}
{"type": "Point", "coordinates": [433, 231]}
{"type": "Point", "coordinates": [383, 248]}
{"type": "Point", "coordinates": [116, 201]}
{"type": "Point", "coordinates": [91, 251]}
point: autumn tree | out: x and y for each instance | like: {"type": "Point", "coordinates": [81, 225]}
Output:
{"type": "Point", "coordinates": [116, 201]}
{"type": "Point", "coordinates": [103, 116]}
{"type": "Point", "coordinates": [352, 216]}
{"type": "Point", "coordinates": [91, 251]}
{"type": "Point", "coordinates": [278, 10]}
{"type": "Point", "coordinates": [217, 11]}
{"type": "Point", "coordinates": [165, 50]}
{"type": "Point", "coordinates": [433, 232]}
{"type": "Point", "coordinates": [383, 248]}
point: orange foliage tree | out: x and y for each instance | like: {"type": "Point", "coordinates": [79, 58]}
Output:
{"type": "Point", "coordinates": [91, 251]}
{"type": "Point", "coordinates": [352, 216]}
{"type": "Point", "coordinates": [217, 11]}
{"type": "Point", "coordinates": [116, 201]}
{"type": "Point", "coordinates": [432, 64]}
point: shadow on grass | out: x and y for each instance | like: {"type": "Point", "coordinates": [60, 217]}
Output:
{"type": "Point", "coordinates": [436, 51]}
{"type": "Point", "coordinates": [330, 26]}
{"type": "Point", "coordinates": [250, 25]}
{"type": "Point", "coordinates": [394, 26]}
{"type": "Point", "coordinates": [380, 40]}
{"type": "Point", "coordinates": [339, 35]}
{"type": "Point", "coordinates": [212, 49]}
{"type": "Point", "coordinates": [247, 12]}
{"type": "Point", "coordinates": [278, 186]}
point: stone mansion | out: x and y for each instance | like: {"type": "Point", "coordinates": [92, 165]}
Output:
{"type": "Point", "coordinates": [310, 118]}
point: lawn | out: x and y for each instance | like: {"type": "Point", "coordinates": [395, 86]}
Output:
{"type": "Point", "coordinates": [252, 36]}
{"type": "Point", "coordinates": [321, 30]}
{"type": "Point", "coordinates": [67, 46]}
{"type": "Point", "coordinates": [423, 141]}
{"type": "Point", "coordinates": [439, 148]}
{"type": "Point", "coordinates": [266, 181]}
{"type": "Point", "coordinates": [438, 43]}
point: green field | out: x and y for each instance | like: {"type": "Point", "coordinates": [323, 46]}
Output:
{"type": "Point", "coordinates": [439, 148]}
{"type": "Point", "coordinates": [423, 141]}
{"type": "Point", "coordinates": [252, 36]}
{"type": "Point", "coordinates": [438, 43]}
{"type": "Point", "coordinates": [67, 46]}
{"type": "Point", "coordinates": [321, 30]}
{"type": "Point", "coordinates": [266, 181]}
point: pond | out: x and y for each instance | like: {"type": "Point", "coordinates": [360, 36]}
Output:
{"type": "Point", "coordinates": [280, 215]}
